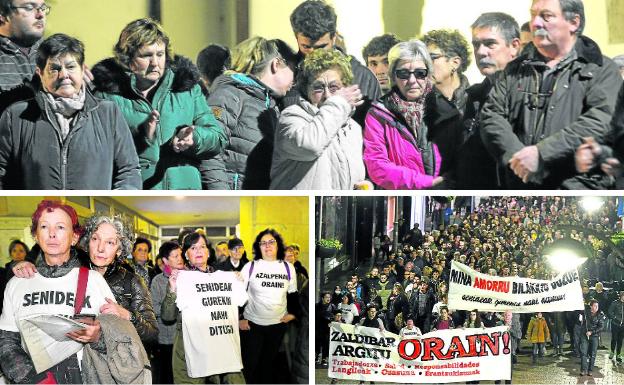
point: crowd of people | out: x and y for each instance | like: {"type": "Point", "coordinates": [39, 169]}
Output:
{"type": "Point", "coordinates": [136, 301]}
{"type": "Point", "coordinates": [405, 291]}
{"type": "Point", "coordinates": [262, 116]}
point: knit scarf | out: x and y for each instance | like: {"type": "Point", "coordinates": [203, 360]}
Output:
{"type": "Point", "coordinates": [65, 109]}
{"type": "Point", "coordinates": [412, 111]}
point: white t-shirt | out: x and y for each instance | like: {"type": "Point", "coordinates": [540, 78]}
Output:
{"type": "Point", "coordinates": [25, 297]}
{"type": "Point", "coordinates": [209, 304]}
{"type": "Point", "coordinates": [406, 333]}
{"type": "Point", "coordinates": [267, 287]}
{"type": "Point", "coordinates": [349, 312]}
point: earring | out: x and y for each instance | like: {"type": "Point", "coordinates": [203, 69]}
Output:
{"type": "Point", "coordinates": [453, 71]}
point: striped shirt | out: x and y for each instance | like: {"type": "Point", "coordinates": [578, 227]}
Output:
{"type": "Point", "coordinates": [15, 65]}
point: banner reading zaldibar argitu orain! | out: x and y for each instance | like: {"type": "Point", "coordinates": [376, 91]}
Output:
{"type": "Point", "coordinates": [455, 355]}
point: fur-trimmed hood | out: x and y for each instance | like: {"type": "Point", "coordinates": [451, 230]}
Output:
{"type": "Point", "coordinates": [110, 77]}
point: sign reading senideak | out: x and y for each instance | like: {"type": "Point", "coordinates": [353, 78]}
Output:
{"type": "Point", "coordinates": [360, 353]}
{"type": "Point", "coordinates": [470, 290]}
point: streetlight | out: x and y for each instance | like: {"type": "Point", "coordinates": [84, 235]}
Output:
{"type": "Point", "coordinates": [562, 260]}
{"type": "Point", "coordinates": [591, 204]}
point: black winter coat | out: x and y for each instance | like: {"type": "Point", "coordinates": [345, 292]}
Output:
{"type": "Point", "coordinates": [131, 293]}
{"type": "Point", "coordinates": [582, 100]}
{"type": "Point", "coordinates": [98, 153]}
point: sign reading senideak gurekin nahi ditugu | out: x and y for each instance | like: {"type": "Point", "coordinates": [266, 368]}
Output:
{"type": "Point", "coordinates": [469, 289]}
{"type": "Point", "coordinates": [452, 355]}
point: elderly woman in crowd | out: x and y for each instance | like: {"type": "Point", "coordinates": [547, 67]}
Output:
{"type": "Point", "coordinates": [195, 251]}
{"type": "Point", "coordinates": [64, 138]}
{"type": "Point", "coordinates": [244, 100]}
{"type": "Point", "coordinates": [397, 153]}
{"type": "Point", "coordinates": [161, 99]}
{"type": "Point", "coordinates": [318, 146]}
{"type": "Point", "coordinates": [108, 240]}
{"type": "Point", "coordinates": [56, 230]}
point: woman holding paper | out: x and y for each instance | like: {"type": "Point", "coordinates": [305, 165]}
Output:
{"type": "Point", "coordinates": [108, 240]}
{"type": "Point", "coordinates": [56, 231]}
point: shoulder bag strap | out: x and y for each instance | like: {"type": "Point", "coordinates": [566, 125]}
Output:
{"type": "Point", "coordinates": [81, 290]}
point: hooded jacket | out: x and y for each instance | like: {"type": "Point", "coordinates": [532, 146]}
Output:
{"type": "Point", "coordinates": [179, 100]}
{"type": "Point", "coordinates": [97, 154]}
{"type": "Point", "coordinates": [247, 110]}
{"type": "Point", "coordinates": [318, 148]}
{"type": "Point", "coordinates": [518, 113]}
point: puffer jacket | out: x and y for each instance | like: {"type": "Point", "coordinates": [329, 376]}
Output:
{"type": "Point", "coordinates": [131, 293]}
{"type": "Point", "coordinates": [97, 154]}
{"type": "Point", "coordinates": [582, 104]}
{"type": "Point", "coordinates": [180, 101]}
{"type": "Point", "coordinates": [317, 148]}
{"type": "Point", "coordinates": [248, 110]}
{"type": "Point", "coordinates": [538, 331]}
{"type": "Point", "coordinates": [394, 158]}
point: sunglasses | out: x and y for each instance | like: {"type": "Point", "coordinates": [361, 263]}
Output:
{"type": "Point", "coordinates": [419, 73]}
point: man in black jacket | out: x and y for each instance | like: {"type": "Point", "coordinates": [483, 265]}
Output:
{"type": "Point", "coordinates": [314, 25]}
{"type": "Point", "coordinates": [591, 325]}
{"type": "Point", "coordinates": [558, 92]}
{"type": "Point", "coordinates": [496, 42]}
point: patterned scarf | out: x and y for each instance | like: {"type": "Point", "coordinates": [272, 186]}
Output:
{"type": "Point", "coordinates": [65, 109]}
{"type": "Point", "coordinates": [412, 112]}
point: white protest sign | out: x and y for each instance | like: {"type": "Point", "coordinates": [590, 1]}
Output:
{"type": "Point", "coordinates": [469, 289]}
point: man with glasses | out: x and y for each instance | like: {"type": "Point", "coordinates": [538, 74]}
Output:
{"type": "Point", "coordinates": [560, 90]}
{"type": "Point", "coordinates": [22, 25]}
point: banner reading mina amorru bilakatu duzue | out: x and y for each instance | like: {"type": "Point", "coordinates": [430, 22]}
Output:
{"type": "Point", "coordinates": [360, 353]}
{"type": "Point", "coordinates": [469, 289]}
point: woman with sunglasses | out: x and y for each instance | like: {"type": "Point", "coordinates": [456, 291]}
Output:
{"type": "Point", "coordinates": [397, 153]}
{"type": "Point", "coordinates": [273, 302]}
{"type": "Point", "coordinates": [317, 145]}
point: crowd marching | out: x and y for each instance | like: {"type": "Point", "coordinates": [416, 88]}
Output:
{"type": "Point", "coordinates": [406, 290]}
{"type": "Point", "coordinates": [263, 116]}
{"type": "Point", "coordinates": [140, 307]}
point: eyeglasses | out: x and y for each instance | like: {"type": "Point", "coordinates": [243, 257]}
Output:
{"type": "Point", "coordinates": [419, 73]}
{"type": "Point", "coordinates": [322, 88]}
{"type": "Point", "coordinates": [267, 243]}
{"type": "Point", "coordinates": [43, 8]}
{"type": "Point", "coordinates": [238, 248]}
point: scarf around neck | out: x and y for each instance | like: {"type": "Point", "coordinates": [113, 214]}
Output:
{"type": "Point", "coordinates": [65, 108]}
{"type": "Point", "coordinates": [412, 112]}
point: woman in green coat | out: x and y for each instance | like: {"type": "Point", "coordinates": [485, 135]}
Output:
{"type": "Point", "coordinates": [161, 99]}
